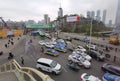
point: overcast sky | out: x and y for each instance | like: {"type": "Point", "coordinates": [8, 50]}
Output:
{"type": "Point", "coordinates": [18, 10]}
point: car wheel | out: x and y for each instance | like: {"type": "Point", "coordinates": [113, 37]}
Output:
{"type": "Point", "coordinates": [98, 59]}
{"type": "Point", "coordinates": [54, 73]}
{"type": "Point", "coordinates": [38, 68]}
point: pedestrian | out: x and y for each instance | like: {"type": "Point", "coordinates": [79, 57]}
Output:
{"type": "Point", "coordinates": [115, 49]}
{"type": "Point", "coordinates": [42, 49]}
{"type": "Point", "coordinates": [22, 60]}
{"type": "Point", "coordinates": [115, 58]}
{"type": "Point", "coordinates": [18, 38]}
{"type": "Point", "coordinates": [106, 48]}
{"type": "Point", "coordinates": [6, 45]}
{"type": "Point", "coordinates": [12, 43]}
{"type": "Point", "coordinates": [9, 40]}
{"type": "Point", "coordinates": [30, 40]}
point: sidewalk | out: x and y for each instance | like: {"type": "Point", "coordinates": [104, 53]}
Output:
{"type": "Point", "coordinates": [8, 76]}
{"type": "Point", "coordinates": [5, 41]}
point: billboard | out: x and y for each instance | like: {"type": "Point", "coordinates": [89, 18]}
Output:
{"type": "Point", "coordinates": [73, 18]}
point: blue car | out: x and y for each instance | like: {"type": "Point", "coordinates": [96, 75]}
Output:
{"type": "Point", "coordinates": [61, 46]}
{"type": "Point", "coordinates": [51, 52]}
{"type": "Point", "coordinates": [110, 77]}
{"type": "Point", "coordinates": [73, 66]}
{"type": "Point", "coordinates": [61, 49]}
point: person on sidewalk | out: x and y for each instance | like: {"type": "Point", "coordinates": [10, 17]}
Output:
{"type": "Point", "coordinates": [42, 49]}
{"type": "Point", "coordinates": [12, 43]}
{"type": "Point", "coordinates": [6, 46]}
{"type": "Point", "coordinates": [22, 60]}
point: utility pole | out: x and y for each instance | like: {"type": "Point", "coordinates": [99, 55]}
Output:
{"type": "Point", "coordinates": [90, 34]}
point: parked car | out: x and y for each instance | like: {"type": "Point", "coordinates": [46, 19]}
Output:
{"type": "Point", "coordinates": [73, 66]}
{"type": "Point", "coordinates": [61, 49]}
{"type": "Point", "coordinates": [49, 45]}
{"type": "Point", "coordinates": [83, 54]}
{"type": "Point", "coordinates": [81, 48]}
{"type": "Point", "coordinates": [53, 41]}
{"type": "Point", "coordinates": [92, 47]}
{"type": "Point", "coordinates": [86, 39]}
{"type": "Point", "coordinates": [96, 55]}
{"type": "Point", "coordinates": [51, 52]}
{"type": "Point", "coordinates": [80, 60]}
{"type": "Point", "coordinates": [68, 38]}
{"type": "Point", "coordinates": [110, 77]}
{"type": "Point", "coordinates": [86, 77]}
{"type": "Point", "coordinates": [42, 42]}
{"type": "Point", "coordinates": [61, 45]}
{"type": "Point", "coordinates": [70, 46]}
{"type": "Point", "coordinates": [111, 69]}
{"type": "Point", "coordinates": [48, 65]}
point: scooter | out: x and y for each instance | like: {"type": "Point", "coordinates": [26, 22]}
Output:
{"type": "Point", "coordinates": [11, 56]}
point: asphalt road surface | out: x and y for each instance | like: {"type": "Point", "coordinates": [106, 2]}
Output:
{"type": "Point", "coordinates": [67, 74]}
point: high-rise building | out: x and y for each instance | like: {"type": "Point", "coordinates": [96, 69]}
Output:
{"type": "Point", "coordinates": [98, 17]}
{"type": "Point", "coordinates": [92, 14]}
{"type": "Point", "coordinates": [88, 14]}
{"type": "Point", "coordinates": [30, 22]}
{"type": "Point", "coordinates": [110, 23]}
{"type": "Point", "coordinates": [117, 20]}
{"type": "Point", "coordinates": [46, 19]}
{"type": "Point", "coordinates": [104, 16]}
{"type": "Point", "coordinates": [60, 12]}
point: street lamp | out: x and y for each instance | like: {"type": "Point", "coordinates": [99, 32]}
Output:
{"type": "Point", "coordinates": [90, 33]}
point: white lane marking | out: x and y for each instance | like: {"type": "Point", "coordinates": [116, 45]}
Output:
{"type": "Point", "coordinates": [64, 69]}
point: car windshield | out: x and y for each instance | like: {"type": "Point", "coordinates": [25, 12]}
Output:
{"type": "Point", "coordinates": [53, 64]}
{"type": "Point", "coordinates": [84, 54]}
{"type": "Point", "coordinates": [86, 76]}
{"type": "Point", "coordinates": [82, 59]}
{"type": "Point", "coordinates": [97, 53]}
{"type": "Point", "coordinates": [111, 76]}
{"type": "Point", "coordinates": [53, 50]}
{"type": "Point", "coordinates": [118, 79]}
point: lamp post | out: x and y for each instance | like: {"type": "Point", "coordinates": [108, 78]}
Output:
{"type": "Point", "coordinates": [90, 34]}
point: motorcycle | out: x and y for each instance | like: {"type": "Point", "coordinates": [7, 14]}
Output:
{"type": "Point", "coordinates": [11, 56]}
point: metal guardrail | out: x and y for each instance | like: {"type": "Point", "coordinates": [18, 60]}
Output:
{"type": "Point", "coordinates": [23, 73]}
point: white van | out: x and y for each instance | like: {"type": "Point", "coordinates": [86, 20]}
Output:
{"type": "Point", "coordinates": [49, 65]}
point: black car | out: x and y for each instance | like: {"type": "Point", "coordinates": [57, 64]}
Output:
{"type": "Point", "coordinates": [111, 69]}
{"type": "Point", "coordinates": [96, 55]}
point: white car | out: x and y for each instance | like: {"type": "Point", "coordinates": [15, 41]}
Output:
{"type": "Point", "coordinates": [48, 65]}
{"type": "Point", "coordinates": [42, 42]}
{"type": "Point", "coordinates": [83, 54]}
{"type": "Point", "coordinates": [53, 42]}
{"type": "Point", "coordinates": [81, 48]}
{"type": "Point", "coordinates": [86, 77]}
{"type": "Point", "coordinates": [70, 46]}
{"type": "Point", "coordinates": [49, 45]}
{"type": "Point", "coordinates": [93, 47]}
{"type": "Point", "coordinates": [80, 60]}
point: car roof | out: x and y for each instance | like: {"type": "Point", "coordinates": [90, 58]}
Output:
{"type": "Point", "coordinates": [92, 78]}
{"type": "Point", "coordinates": [45, 60]}
{"type": "Point", "coordinates": [111, 76]}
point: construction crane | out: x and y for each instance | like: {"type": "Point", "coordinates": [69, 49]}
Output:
{"type": "Point", "coordinates": [4, 23]}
